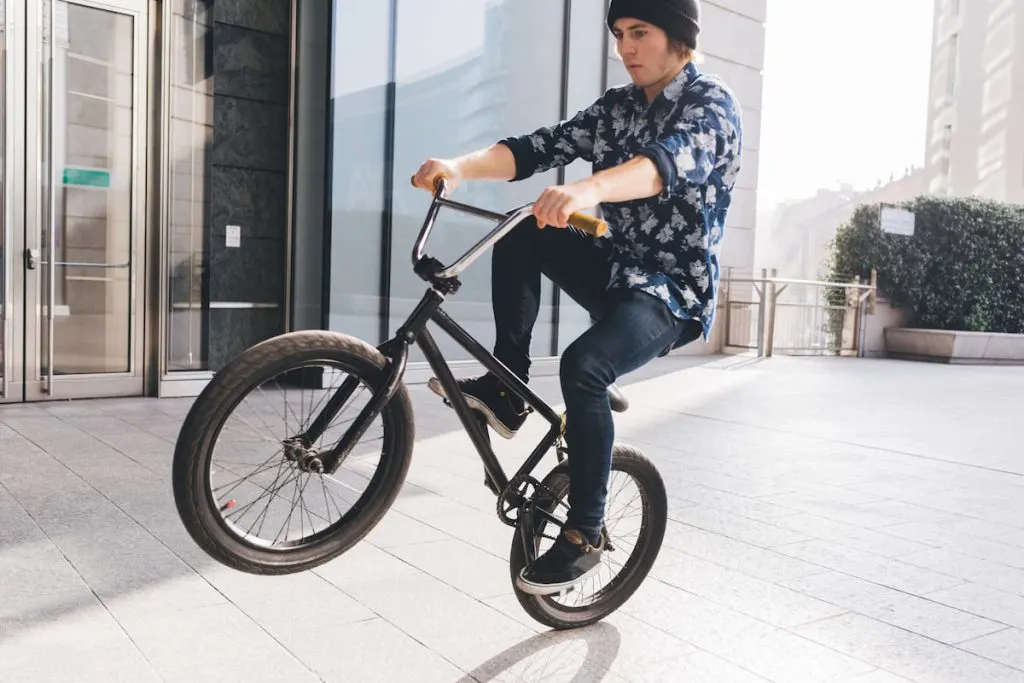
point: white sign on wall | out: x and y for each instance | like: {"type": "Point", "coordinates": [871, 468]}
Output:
{"type": "Point", "coordinates": [897, 221]}
{"type": "Point", "coordinates": [234, 236]}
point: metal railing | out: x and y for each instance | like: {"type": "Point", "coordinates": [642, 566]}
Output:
{"type": "Point", "coordinates": [797, 317]}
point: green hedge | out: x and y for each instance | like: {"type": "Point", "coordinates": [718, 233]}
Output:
{"type": "Point", "coordinates": [963, 269]}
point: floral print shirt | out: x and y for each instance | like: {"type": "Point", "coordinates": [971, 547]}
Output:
{"type": "Point", "coordinates": [666, 245]}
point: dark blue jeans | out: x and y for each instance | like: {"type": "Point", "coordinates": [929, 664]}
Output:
{"type": "Point", "coordinates": [630, 329]}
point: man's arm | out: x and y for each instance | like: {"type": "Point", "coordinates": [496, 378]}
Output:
{"type": "Point", "coordinates": [492, 163]}
{"type": "Point", "coordinates": [693, 144]}
{"type": "Point", "coordinates": [520, 157]}
{"type": "Point", "coordinates": [685, 153]}
{"type": "Point", "coordinates": [558, 145]}
{"type": "Point", "coordinates": [635, 179]}
{"type": "Point", "coordinates": [638, 178]}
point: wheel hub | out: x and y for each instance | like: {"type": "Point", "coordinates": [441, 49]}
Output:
{"type": "Point", "coordinates": [305, 457]}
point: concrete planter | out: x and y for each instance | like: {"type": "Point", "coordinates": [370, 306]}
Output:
{"type": "Point", "coordinates": [954, 346]}
{"type": "Point", "coordinates": [876, 325]}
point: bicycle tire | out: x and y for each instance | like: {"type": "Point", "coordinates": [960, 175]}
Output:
{"type": "Point", "coordinates": [258, 364]}
{"type": "Point", "coordinates": [655, 519]}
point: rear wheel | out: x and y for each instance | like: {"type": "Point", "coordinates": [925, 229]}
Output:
{"type": "Point", "coordinates": [248, 495]}
{"type": "Point", "coordinates": [636, 516]}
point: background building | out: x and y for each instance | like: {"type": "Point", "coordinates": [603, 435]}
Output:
{"type": "Point", "coordinates": [976, 103]}
{"type": "Point", "coordinates": [794, 238]}
{"type": "Point", "coordinates": [215, 172]}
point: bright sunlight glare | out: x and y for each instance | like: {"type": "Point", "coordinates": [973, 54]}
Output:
{"type": "Point", "coordinates": [845, 94]}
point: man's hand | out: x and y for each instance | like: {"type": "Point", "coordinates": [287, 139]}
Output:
{"type": "Point", "coordinates": [432, 169]}
{"type": "Point", "coordinates": [556, 204]}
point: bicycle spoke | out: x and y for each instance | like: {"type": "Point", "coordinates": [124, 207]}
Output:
{"type": "Point", "coordinates": [245, 508]}
{"type": "Point", "coordinates": [298, 422]}
{"type": "Point", "coordinates": [263, 515]}
{"type": "Point", "coordinates": [257, 414]}
{"type": "Point", "coordinates": [271, 493]}
{"type": "Point", "coordinates": [264, 467]}
{"type": "Point", "coordinates": [254, 427]}
{"type": "Point", "coordinates": [324, 487]}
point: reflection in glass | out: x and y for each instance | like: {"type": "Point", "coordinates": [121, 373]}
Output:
{"type": "Point", "coordinates": [92, 152]}
{"type": "Point", "coordinates": [469, 72]}
{"type": "Point", "coordinates": [585, 82]}
{"type": "Point", "coordinates": [191, 134]}
{"type": "Point", "coordinates": [360, 68]}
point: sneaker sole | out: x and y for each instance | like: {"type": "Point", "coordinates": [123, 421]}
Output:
{"type": "Point", "coordinates": [492, 420]}
{"type": "Point", "coordinates": [542, 589]}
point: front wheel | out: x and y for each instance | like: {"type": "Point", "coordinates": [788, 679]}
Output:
{"type": "Point", "coordinates": [636, 514]}
{"type": "Point", "coordinates": [250, 493]}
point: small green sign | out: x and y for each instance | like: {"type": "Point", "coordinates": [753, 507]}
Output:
{"type": "Point", "coordinates": [86, 177]}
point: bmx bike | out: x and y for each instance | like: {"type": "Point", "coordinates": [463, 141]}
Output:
{"type": "Point", "coordinates": [347, 494]}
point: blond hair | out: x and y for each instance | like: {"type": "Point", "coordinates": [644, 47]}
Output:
{"type": "Point", "coordinates": [695, 56]}
{"type": "Point", "coordinates": [678, 46]}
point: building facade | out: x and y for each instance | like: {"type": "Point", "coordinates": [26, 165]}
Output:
{"type": "Point", "coordinates": [185, 178]}
{"type": "Point", "coordinates": [975, 140]}
{"type": "Point", "coordinates": [796, 239]}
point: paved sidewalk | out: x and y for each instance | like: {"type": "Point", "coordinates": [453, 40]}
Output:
{"type": "Point", "coordinates": [831, 520]}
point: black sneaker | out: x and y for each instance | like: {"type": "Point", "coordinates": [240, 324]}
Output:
{"type": "Point", "coordinates": [569, 561]}
{"type": "Point", "coordinates": [505, 412]}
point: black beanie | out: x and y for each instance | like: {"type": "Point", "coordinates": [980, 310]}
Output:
{"type": "Point", "coordinates": [680, 19]}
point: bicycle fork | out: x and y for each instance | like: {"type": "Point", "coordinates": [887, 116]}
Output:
{"type": "Point", "coordinates": [398, 353]}
{"type": "Point", "coordinates": [396, 350]}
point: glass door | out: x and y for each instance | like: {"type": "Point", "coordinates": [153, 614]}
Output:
{"type": "Point", "coordinates": [80, 280]}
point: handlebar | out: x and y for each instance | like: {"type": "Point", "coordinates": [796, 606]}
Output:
{"type": "Point", "coordinates": [588, 224]}
{"type": "Point", "coordinates": [580, 221]}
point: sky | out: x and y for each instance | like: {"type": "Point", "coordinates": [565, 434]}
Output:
{"type": "Point", "coordinates": [845, 94]}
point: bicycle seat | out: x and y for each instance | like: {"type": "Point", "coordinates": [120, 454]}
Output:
{"type": "Point", "coordinates": [618, 400]}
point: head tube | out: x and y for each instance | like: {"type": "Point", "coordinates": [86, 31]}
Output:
{"type": "Point", "coordinates": [440, 187]}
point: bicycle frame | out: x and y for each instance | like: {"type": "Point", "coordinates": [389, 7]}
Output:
{"type": "Point", "coordinates": [443, 280]}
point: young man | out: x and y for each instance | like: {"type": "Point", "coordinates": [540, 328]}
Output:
{"type": "Point", "coordinates": [666, 153]}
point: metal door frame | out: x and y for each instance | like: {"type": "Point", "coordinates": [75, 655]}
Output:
{"type": "Point", "coordinates": [29, 52]}
{"type": "Point", "coordinates": [13, 149]}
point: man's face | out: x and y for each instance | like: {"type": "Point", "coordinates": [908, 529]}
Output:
{"type": "Point", "coordinates": [644, 49]}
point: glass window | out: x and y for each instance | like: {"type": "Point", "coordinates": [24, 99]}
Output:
{"type": "Point", "coordinates": [587, 44]}
{"type": "Point", "coordinates": [191, 135]}
{"type": "Point", "coordinates": [953, 56]}
{"type": "Point", "coordinates": [468, 74]}
{"type": "Point", "coordinates": [360, 74]}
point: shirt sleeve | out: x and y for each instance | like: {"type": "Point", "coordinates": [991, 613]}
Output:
{"type": "Point", "coordinates": [700, 137]}
{"type": "Point", "coordinates": [558, 145]}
